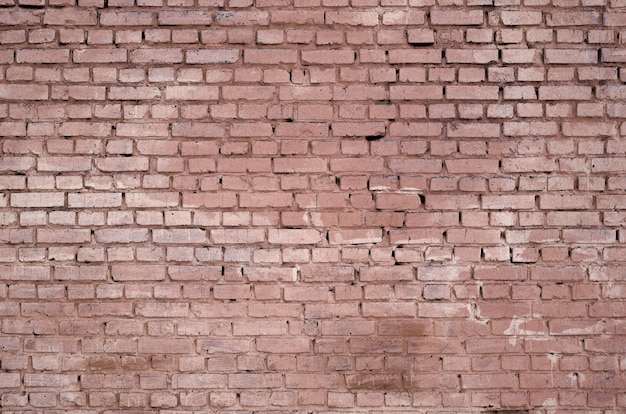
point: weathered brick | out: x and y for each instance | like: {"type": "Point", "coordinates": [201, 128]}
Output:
{"type": "Point", "coordinates": [571, 56]}
{"type": "Point", "coordinates": [94, 200]}
{"type": "Point", "coordinates": [456, 17]}
{"type": "Point", "coordinates": [520, 18]}
{"type": "Point", "coordinates": [198, 130]}
{"type": "Point", "coordinates": [23, 92]}
{"type": "Point", "coordinates": [582, 18]}
{"type": "Point", "coordinates": [122, 164]}
{"type": "Point", "coordinates": [70, 17]}
{"type": "Point", "coordinates": [349, 18]}
{"type": "Point", "coordinates": [198, 381]}
{"type": "Point", "coordinates": [328, 57]}
{"type": "Point", "coordinates": [555, 93]}
{"type": "Point", "coordinates": [415, 92]}
{"type": "Point", "coordinates": [242, 18]}
{"type": "Point", "coordinates": [265, 200]}
{"type": "Point", "coordinates": [12, 17]}
{"type": "Point", "coordinates": [126, 18]}
{"type": "Point", "coordinates": [211, 56]}
{"type": "Point", "coordinates": [100, 56]}
{"type": "Point", "coordinates": [42, 56]}
{"type": "Point", "coordinates": [21, 272]}
{"type": "Point", "coordinates": [72, 236]}
{"type": "Point", "coordinates": [270, 56]}
{"type": "Point", "coordinates": [613, 55]}
{"type": "Point", "coordinates": [186, 17]}
{"type": "Point", "coordinates": [294, 236]}
{"type": "Point", "coordinates": [193, 93]}
{"type": "Point", "coordinates": [10, 380]}
{"type": "Point", "coordinates": [588, 129]}
{"type": "Point", "coordinates": [208, 234]}
{"type": "Point", "coordinates": [414, 56]}
{"type": "Point", "coordinates": [80, 272]}
{"type": "Point", "coordinates": [137, 272]}
{"type": "Point", "coordinates": [475, 56]}
{"type": "Point", "coordinates": [474, 130]}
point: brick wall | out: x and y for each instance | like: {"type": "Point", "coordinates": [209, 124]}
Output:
{"type": "Point", "coordinates": [301, 206]}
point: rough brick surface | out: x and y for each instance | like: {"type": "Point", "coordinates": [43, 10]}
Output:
{"type": "Point", "coordinates": [271, 206]}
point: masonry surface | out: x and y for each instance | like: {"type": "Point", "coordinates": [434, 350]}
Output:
{"type": "Point", "coordinates": [303, 206]}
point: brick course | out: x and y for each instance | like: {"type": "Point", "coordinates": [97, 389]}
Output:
{"type": "Point", "coordinates": [312, 206]}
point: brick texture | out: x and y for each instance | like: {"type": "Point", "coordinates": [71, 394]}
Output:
{"type": "Point", "coordinates": [271, 206]}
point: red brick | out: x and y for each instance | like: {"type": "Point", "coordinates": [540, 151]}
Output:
{"type": "Point", "coordinates": [389, 310]}
{"type": "Point", "coordinates": [49, 380]}
{"type": "Point", "coordinates": [441, 273]}
{"type": "Point", "coordinates": [198, 130]}
{"type": "Point", "coordinates": [305, 93]}
{"type": "Point", "coordinates": [70, 17]}
{"type": "Point", "coordinates": [489, 381]}
{"type": "Point", "coordinates": [565, 202]}
{"type": "Point", "coordinates": [365, 18]}
{"type": "Point", "coordinates": [126, 18]}
{"type": "Point", "coordinates": [520, 18]}
{"type": "Point", "coordinates": [573, 18]}
{"type": "Point", "coordinates": [283, 345]}
{"type": "Point", "coordinates": [10, 380]}
{"type": "Point", "coordinates": [193, 93]}
{"type": "Point", "coordinates": [297, 17]}
{"type": "Point", "coordinates": [396, 202]}
{"type": "Point", "coordinates": [37, 200]}
{"type": "Point", "coordinates": [80, 272]}
{"type": "Point", "coordinates": [294, 236]}
{"type": "Point", "coordinates": [358, 92]}
{"type": "Point", "coordinates": [160, 346]}
{"type": "Point", "coordinates": [186, 17]}
{"type": "Point", "coordinates": [403, 18]}
{"type": "Point", "coordinates": [471, 236]}
{"type": "Point", "coordinates": [23, 92]}
{"type": "Point", "coordinates": [300, 165]}
{"type": "Point", "coordinates": [476, 166]}
{"type": "Point", "coordinates": [475, 56]}
{"type": "Point", "coordinates": [591, 236]}
{"type": "Point", "coordinates": [529, 164]}
{"type": "Point", "coordinates": [137, 272]}
{"type": "Point", "coordinates": [448, 202]}
{"type": "Point", "coordinates": [456, 17]}
{"type": "Point", "coordinates": [556, 93]}
{"type": "Point", "coordinates": [242, 18]}
{"type": "Point", "coordinates": [443, 310]}
{"type": "Point", "coordinates": [133, 93]}
{"type": "Point", "coordinates": [406, 92]}
{"type": "Point", "coordinates": [379, 273]}
{"type": "Point", "coordinates": [414, 56]}
{"type": "Point", "coordinates": [356, 164]}
{"type": "Point", "coordinates": [19, 17]}
{"type": "Point", "coordinates": [122, 164]}
{"type": "Point", "coordinates": [327, 273]}
{"type": "Point", "coordinates": [473, 130]}
{"type": "Point", "coordinates": [613, 55]}
{"type": "Point", "coordinates": [251, 129]}
{"type": "Point", "coordinates": [444, 202]}
{"type": "Point", "coordinates": [588, 129]}
{"type": "Point", "coordinates": [416, 129]}
{"type": "Point", "coordinates": [100, 56]}
{"type": "Point", "coordinates": [562, 273]}
{"type": "Point", "coordinates": [571, 56]}
{"type": "Point", "coordinates": [212, 56]}
{"type": "Point", "coordinates": [270, 56]}
{"type": "Point", "coordinates": [42, 56]}
{"type": "Point", "coordinates": [12, 272]}
{"type": "Point", "coordinates": [72, 236]}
